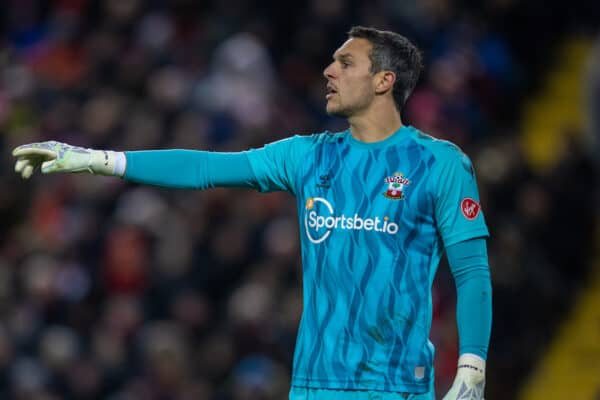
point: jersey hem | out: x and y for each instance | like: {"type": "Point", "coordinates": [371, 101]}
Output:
{"type": "Point", "coordinates": [415, 388]}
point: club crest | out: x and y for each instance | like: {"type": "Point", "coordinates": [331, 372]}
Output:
{"type": "Point", "coordinates": [395, 186]}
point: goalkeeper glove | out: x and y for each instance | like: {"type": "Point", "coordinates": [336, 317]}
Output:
{"type": "Point", "coordinates": [470, 379]}
{"type": "Point", "coordinates": [60, 157]}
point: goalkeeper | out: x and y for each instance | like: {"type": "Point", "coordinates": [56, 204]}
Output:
{"type": "Point", "coordinates": [377, 206]}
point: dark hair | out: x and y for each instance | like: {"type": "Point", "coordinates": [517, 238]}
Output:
{"type": "Point", "coordinates": [393, 52]}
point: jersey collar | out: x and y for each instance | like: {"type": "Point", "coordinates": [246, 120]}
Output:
{"type": "Point", "coordinates": [400, 135]}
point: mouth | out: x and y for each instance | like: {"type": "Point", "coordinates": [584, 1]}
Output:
{"type": "Point", "coordinates": [330, 92]}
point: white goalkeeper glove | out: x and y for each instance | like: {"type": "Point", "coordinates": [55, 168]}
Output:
{"type": "Point", "coordinates": [470, 379]}
{"type": "Point", "coordinates": [60, 157]}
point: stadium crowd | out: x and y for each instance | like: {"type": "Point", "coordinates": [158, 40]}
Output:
{"type": "Point", "coordinates": [111, 290]}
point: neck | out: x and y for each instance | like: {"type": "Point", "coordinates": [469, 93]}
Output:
{"type": "Point", "coordinates": [375, 124]}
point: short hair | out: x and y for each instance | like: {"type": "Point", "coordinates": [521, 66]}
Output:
{"type": "Point", "coordinates": [393, 52]}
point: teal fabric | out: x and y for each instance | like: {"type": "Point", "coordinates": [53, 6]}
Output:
{"type": "Point", "coordinates": [454, 186]}
{"type": "Point", "coordinates": [370, 255]}
{"type": "Point", "coordinates": [189, 169]}
{"type": "Point", "coordinates": [469, 264]}
{"type": "Point", "coordinates": [272, 169]}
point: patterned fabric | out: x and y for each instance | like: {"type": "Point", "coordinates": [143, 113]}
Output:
{"type": "Point", "coordinates": [374, 219]}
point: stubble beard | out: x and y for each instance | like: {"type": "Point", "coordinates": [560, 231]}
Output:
{"type": "Point", "coordinates": [338, 110]}
{"type": "Point", "coordinates": [346, 111]}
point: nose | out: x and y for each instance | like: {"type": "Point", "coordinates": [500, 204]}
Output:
{"type": "Point", "coordinates": [328, 72]}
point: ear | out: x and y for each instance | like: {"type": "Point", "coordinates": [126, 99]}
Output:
{"type": "Point", "coordinates": [384, 81]}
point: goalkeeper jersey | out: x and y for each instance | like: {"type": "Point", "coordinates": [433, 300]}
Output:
{"type": "Point", "coordinates": [374, 218]}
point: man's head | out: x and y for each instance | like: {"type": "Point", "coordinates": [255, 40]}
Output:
{"type": "Point", "coordinates": [371, 63]}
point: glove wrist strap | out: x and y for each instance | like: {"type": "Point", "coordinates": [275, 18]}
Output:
{"type": "Point", "coordinates": [471, 367]}
{"type": "Point", "coordinates": [105, 162]}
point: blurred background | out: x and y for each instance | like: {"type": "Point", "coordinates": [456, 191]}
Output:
{"type": "Point", "coordinates": [110, 290]}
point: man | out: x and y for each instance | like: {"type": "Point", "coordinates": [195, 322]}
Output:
{"type": "Point", "coordinates": [378, 204]}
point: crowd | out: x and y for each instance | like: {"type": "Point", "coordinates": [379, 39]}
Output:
{"type": "Point", "coordinates": [111, 290]}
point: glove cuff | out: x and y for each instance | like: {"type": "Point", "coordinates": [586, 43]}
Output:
{"type": "Point", "coordinates": [473, 360]}
{"type": "Point", "coordinates": [104, 162]}
{"type": "Point", "coordinates": [471, 365]}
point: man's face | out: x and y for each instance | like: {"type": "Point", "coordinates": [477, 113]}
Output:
{"type": "Point", "coordinates": [350, 87]}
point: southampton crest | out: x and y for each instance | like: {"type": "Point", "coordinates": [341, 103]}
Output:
{"type": "Point", "coordinates": [395, 186]}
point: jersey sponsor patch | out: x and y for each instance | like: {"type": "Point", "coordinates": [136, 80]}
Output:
{"type": "Point", "coordinates": [470, 208]}
{"type": "Point", "coordinates": [320, 219]}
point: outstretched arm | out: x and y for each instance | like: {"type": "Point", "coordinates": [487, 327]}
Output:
{"type": "Point", "coordinates": [269, 168]}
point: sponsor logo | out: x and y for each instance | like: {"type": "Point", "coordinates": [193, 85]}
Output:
{"type": "Point", "coordinates": [395, 186]}
{"type": "Point", "coordinates": [470, 208]}
{"type": "Point", "coordinates": [320, 221]}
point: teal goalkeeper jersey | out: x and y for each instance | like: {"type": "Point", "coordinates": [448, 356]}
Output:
{"type": "Point", "coordinates": [374, 218]}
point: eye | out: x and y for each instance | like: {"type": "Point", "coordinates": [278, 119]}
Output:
{"type": "Point", "coordinates": [345, 64]}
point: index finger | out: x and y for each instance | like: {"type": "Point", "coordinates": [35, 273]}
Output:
{"type": "Point", "coordinates": [31, 150]}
